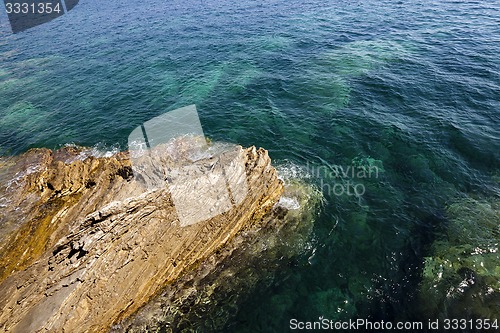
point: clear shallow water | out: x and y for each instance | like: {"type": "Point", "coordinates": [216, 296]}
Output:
{"type": "Point", "coordinates": [413, 87]}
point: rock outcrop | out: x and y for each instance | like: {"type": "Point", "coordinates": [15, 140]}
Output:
{"type": "Point", "coordinates": [84, 246]}
{"type": "Point", "coordinates": [208, 297]}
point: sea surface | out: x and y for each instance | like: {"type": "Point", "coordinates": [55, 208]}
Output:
{"type": "Point", "coordinates": [410, 89]}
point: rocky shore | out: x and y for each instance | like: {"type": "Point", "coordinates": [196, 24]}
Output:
{"type": "Point", "coordinates": [86, 248]}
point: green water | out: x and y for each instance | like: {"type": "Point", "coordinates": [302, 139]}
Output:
{"type": "Point", "coordinates": [412, 88]}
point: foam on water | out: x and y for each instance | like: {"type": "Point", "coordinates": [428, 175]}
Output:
{"type": "Point", "coordinates": [289, 171]}
{"type": "Point", "coordinates": [289, 203]}
{"type": "Point", "coordinates": [99, 150]}
{"type": "Point", "coordinates": [21, 175]}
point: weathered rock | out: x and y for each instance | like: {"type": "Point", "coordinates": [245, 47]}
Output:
{"type": "Point", "coordinates": [84, 246]}
{"type": "Point", "coordinates": [205, 299]}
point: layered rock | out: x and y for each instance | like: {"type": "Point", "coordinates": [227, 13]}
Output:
{"type": "Point", "coordinates": [207, 298]}
{"type": "Point", "coordinates": [85, 245]}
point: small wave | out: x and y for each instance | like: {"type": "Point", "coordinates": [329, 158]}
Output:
{"type": "Point", "coordinates": [288, 171]}
{"type": "Point", "coordinates": [289, 203]}
{"type": "Point", "coordinates": [98, 150]}
{"type": "Point", "coordinates": [19, 176]}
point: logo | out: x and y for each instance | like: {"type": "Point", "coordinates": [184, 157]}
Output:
{"type": "Point", "coordinates": [26, 14]}
{"type": "Point", "coordinates": [171, 151]}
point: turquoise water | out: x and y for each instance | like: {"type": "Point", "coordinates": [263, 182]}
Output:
{"type": "Point", "coordinates": [410, 87]}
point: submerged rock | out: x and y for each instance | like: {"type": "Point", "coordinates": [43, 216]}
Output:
{"type": "Point", "coordinates": [85, 245]}
{"type": "Point", "coordinates": [461, 279]}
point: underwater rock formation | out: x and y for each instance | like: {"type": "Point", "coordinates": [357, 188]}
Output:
{"type": "Point", "coordinates": [84, 246]}
{"type": "Point", "coordinates": [461, 278]}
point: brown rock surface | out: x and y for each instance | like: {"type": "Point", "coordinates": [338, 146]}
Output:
{"type": "Point", "coordinates": [84, 246]}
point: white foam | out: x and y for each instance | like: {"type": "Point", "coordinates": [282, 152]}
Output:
{"type": "Point", "coordinates": [97, 151]}
{"type": "Point", "coordinates": [20, 175]}
{"type": "Point", "coordinates": [289, 171]}
{"type": "Point", "coordinates": [289, 203]}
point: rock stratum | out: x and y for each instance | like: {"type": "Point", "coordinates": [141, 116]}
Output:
{"type": "Point", "coordinates": [85, 248]}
